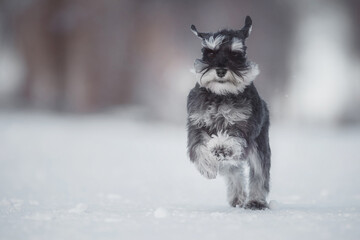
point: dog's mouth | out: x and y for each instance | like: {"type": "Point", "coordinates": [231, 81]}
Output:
{"type": "Point", "coordinates": [222, 81]}
{"type": "Point", "coordinates": [210, 76]}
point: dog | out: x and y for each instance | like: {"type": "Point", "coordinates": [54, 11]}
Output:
{"type": "Point", "coordinates": [228, 122]}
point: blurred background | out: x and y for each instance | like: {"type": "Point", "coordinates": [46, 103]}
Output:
{"type": "Point", "coordinates": [88, 56]}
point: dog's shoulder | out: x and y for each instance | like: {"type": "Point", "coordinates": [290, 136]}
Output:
{"type": "Point", "coordinates": [197, 97]}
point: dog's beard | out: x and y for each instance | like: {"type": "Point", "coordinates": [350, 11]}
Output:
{"type": "Point", "coordinates": [221, 86]}
{"type": "Point", "coordinates": [232, 82]}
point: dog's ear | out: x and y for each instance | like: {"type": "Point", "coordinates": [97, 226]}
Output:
{"type": "Point", "coordinates": [246, 30]}
{"type": "Point", "coordinates": [199, 34]}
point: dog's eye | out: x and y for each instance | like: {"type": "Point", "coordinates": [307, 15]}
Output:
{"type": "Point", "coordinates": [210, 54]}
{"type": "Point", "coordinates": [235, 54]}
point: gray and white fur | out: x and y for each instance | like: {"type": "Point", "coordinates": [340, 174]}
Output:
{"type": "Point", "coordinates": [228, 122]}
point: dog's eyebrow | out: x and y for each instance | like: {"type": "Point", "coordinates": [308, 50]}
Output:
{"type": "Point", "coordinates": [237, 45]}
{"type": "Point", "coordinates": [213, 43]}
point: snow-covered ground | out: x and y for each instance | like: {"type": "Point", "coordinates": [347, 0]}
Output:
{"type": "Point", "coordinates": [112, 177]}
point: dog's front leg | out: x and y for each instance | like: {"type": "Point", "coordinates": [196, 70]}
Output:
{"type": "Point", "coordinates": [199, 153]}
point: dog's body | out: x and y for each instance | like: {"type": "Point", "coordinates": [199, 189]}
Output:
{"type": "Point", "coordinates": [228, 122]}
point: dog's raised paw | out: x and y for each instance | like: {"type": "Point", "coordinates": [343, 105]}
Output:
{"type": "Point", "coordinates": [222, 152]}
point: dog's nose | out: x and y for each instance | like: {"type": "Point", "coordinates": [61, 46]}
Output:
{"type": "Point", "coordinates": [221, 72]}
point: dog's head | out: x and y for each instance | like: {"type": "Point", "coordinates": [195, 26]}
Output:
{"type": "Point", "coordinates": [224, 67]}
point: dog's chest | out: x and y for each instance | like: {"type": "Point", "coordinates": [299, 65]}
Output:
{"type": "Point", "coordinates": [221, 115]}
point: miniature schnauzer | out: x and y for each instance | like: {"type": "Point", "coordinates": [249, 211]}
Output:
{"type": "Point", "coordinates": [228, 122]}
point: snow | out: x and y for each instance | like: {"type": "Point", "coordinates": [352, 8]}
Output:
{"type": "Point", "coordinates": [115, 177]}
{"type": "Point", "coordinates": [160, 213]}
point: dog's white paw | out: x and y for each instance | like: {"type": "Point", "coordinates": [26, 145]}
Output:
{"type": "Point", "coordinates": [222, 152]}
{"type": "Point", "coordinates": [225, 148]}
